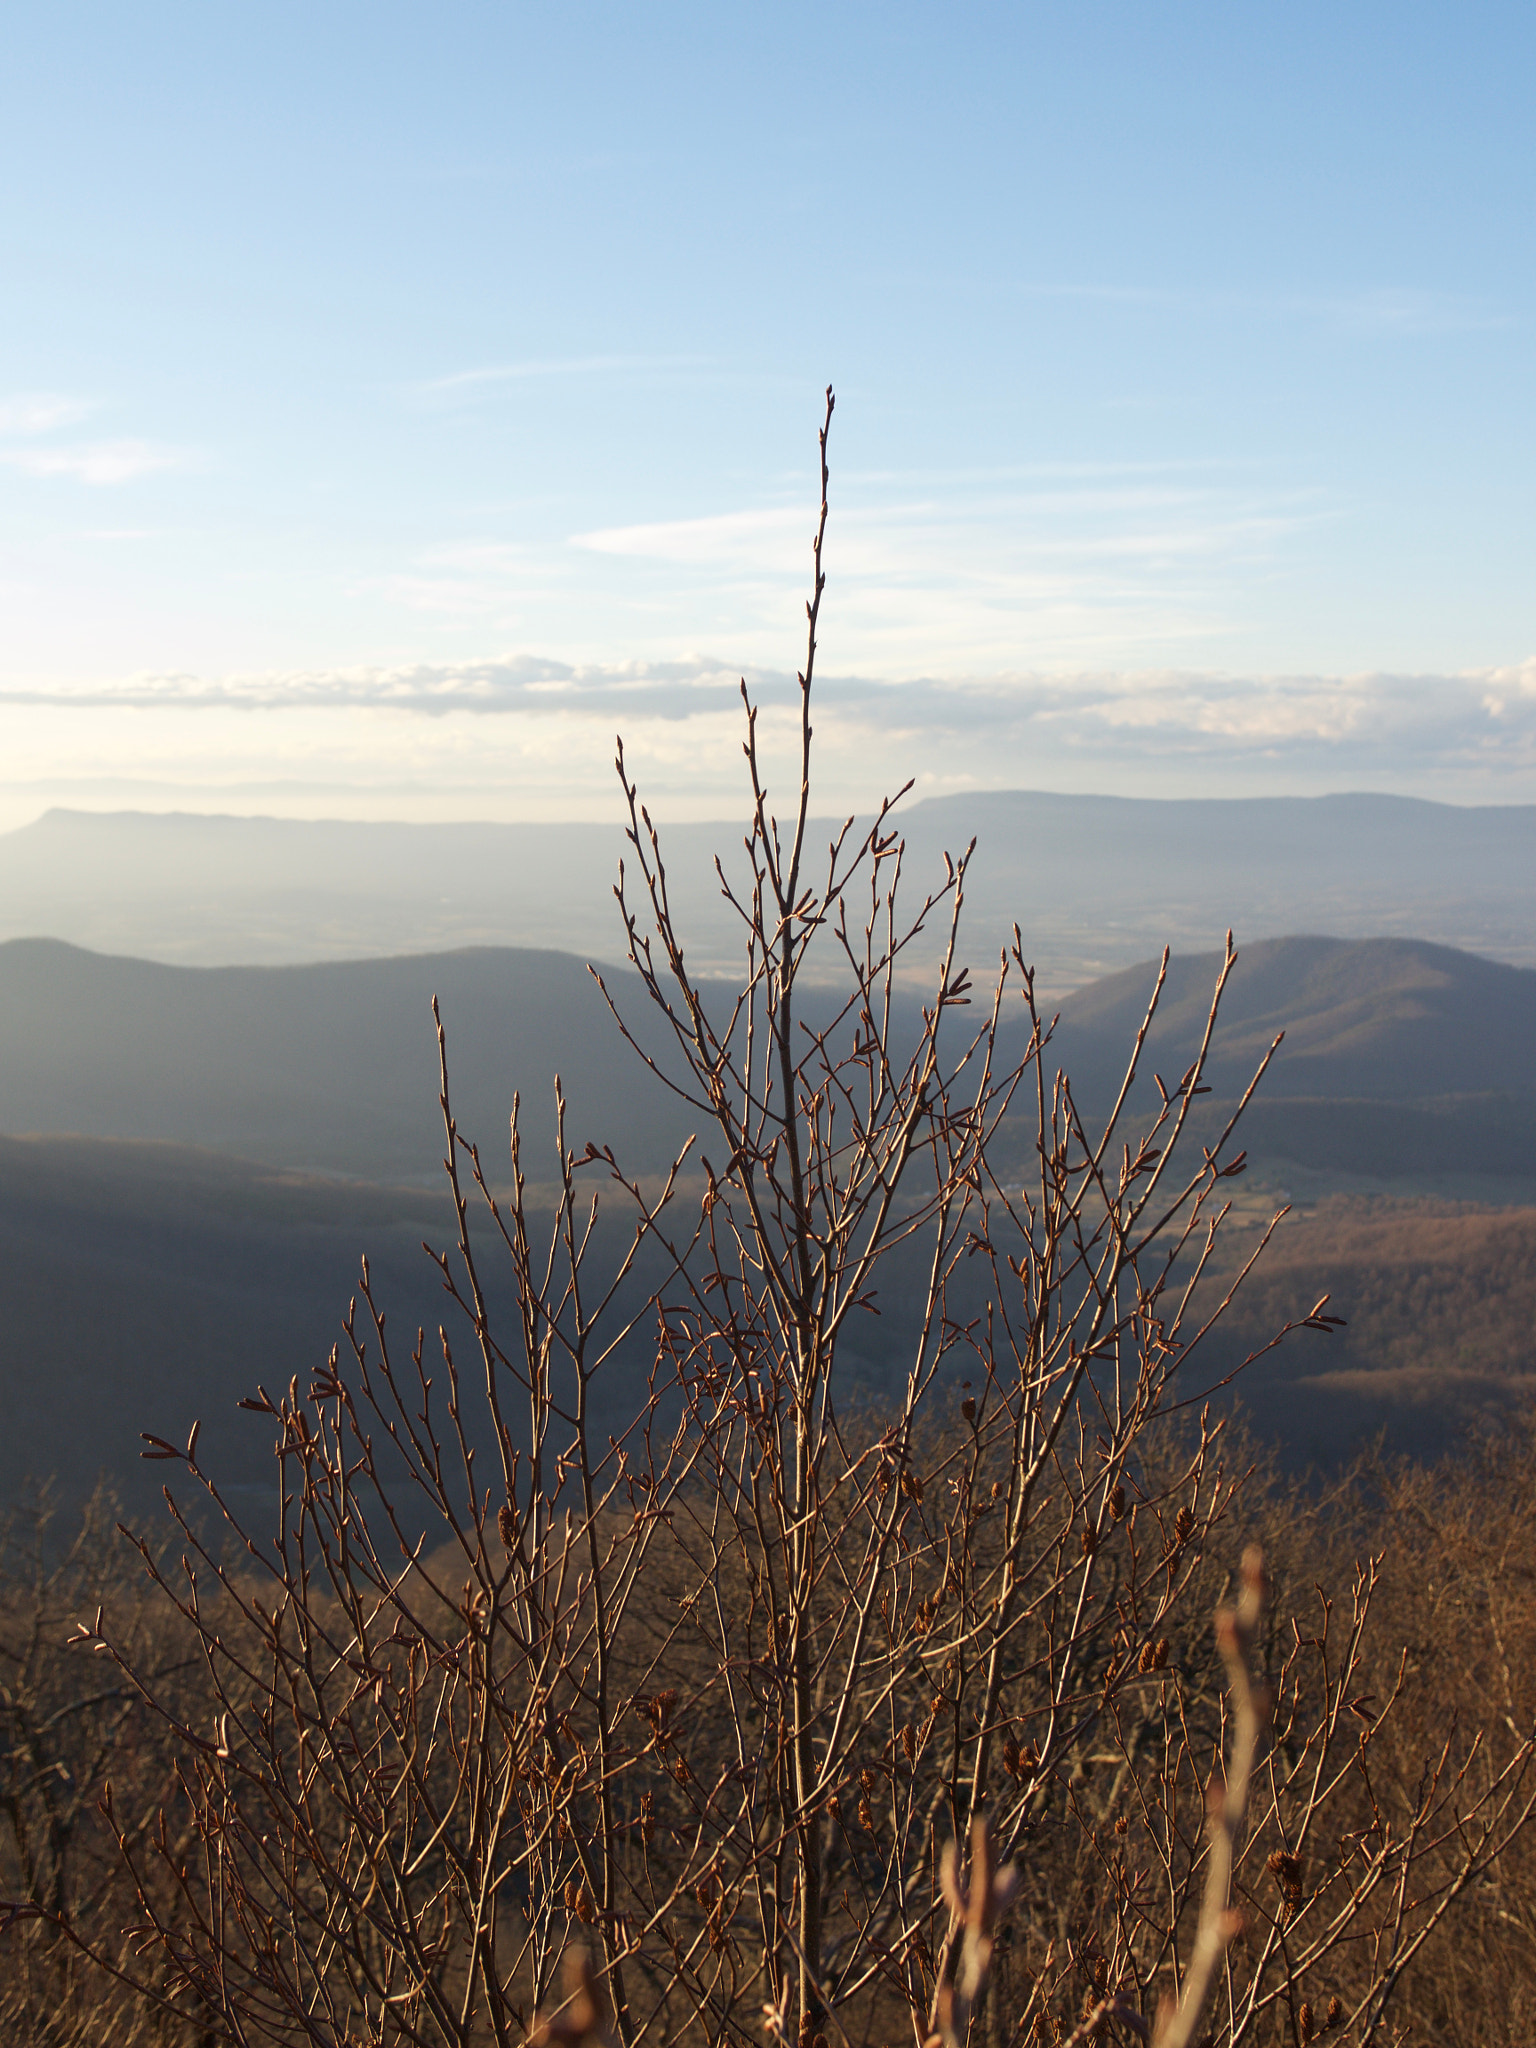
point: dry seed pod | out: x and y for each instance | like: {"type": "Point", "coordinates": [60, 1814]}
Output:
{"type": "Point", "coordinates": [1285, 1869]}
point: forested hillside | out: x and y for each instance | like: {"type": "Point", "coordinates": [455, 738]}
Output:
{"type": "Point", "coordinates": [242, 1136]}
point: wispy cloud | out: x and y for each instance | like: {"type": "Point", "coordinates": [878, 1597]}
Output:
{"type": "Point", "coordinates": [39, 412]}
{"type": "Point", "coordinates": [1409, 311]}
{"type": "Point", "coordinates": [1400, 309]}
{"type": "Point", "coordinates": [755, 539]}
{"type": "Point", "coordinates": [1486, 717]}
{"type": "Point", "coordinates": [30, 423]}
{"type": "Point", "coordinates": [514, 684]}
{"type": "Point", "coordinates": [467, 580]}
{"type": "Point", "coordinates": [975, 538]}
{"type": "Point", "coordinates": [551, 366]}
{"type": "Point", "coordinates": [94, 462]}
{"type": "Point", "coordinates": [1080, 569]}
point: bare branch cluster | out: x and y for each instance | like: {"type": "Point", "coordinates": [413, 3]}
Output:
{"type": "Point", "coordinates": [622, 1666]}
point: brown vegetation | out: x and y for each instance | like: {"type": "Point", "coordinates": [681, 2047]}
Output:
{"type": "Point", "coordinates": [1439, 1300]}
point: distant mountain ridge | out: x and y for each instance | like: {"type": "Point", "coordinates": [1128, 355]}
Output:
{"type": "Point", "coordinates": [1097, 883]}
{"type": "Point", "coordinates": [1382, 1019]}
{"type": "Point", "coordinates": [1401, 1061]}
{"type": "Point", "coordinates": [332, 1067]}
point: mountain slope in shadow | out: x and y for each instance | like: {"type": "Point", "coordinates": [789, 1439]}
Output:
{"type": "Point", "coordinates": [147, 1283]}
{"type": "Point", "coordinates": [1384, 1019]}
{"type": "Point", "coordinates": [1401, 1061]}
{"type": "Point", "coordinates": [331, 1067]}
{"type": "Point", "coordinates": [1400, 1058]}
{"type": "Point", "coordinates": [149, 1286]}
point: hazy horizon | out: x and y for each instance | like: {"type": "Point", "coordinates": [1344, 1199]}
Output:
{"type": "Point", "coordinates": [1095, 883]}
{"type": "Point", "coordinates": [731, 819]}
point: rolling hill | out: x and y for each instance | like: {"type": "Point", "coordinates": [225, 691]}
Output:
{"type": "Point", "coordinates": [1380, 1018]}
{"type": "Point", "coordinates": [241, 1135]}
{"type": "Point", "coordinates": [330, 1068]}
{"type": "Point", "coordinates": [1401, 1060]}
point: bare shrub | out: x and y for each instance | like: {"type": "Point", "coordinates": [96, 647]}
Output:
{"type": "Point", "coordinates": [1455, 1643]}
{"type": "Point", "coordinates": [66, 1724]}
{"type": "Point", "coordinates": [708, 1689]}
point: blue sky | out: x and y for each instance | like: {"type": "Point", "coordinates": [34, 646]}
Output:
{"type": "Point", "coordinates": [393, 400]}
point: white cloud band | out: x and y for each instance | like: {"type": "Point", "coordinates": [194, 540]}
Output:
{"type": "Point", "coordinates": [1487, 715]}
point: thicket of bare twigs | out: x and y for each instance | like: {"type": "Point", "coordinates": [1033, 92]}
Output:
{"type": "Point", "coordinates": [530, 1722]}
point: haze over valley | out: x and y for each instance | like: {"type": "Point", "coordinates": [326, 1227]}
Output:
{"type": "Point", "coordinates": [199, 1154]}
{"type": "Point", "coordinates": [1097, 883]}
